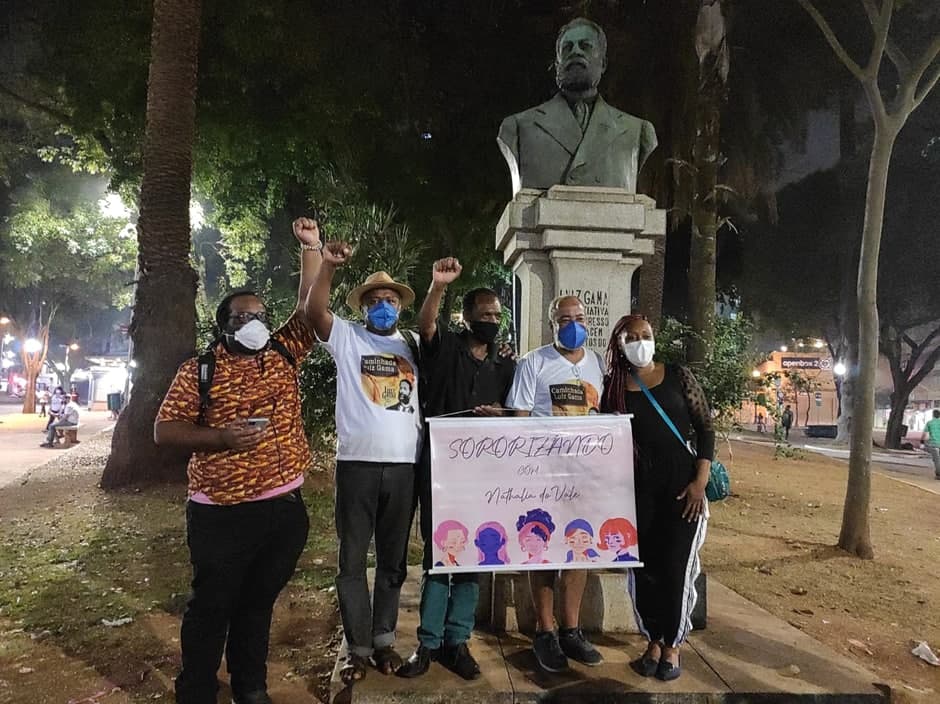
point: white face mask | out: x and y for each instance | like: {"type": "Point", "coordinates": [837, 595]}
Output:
{"type": "Point", "coordinates": [639, 352]}
{"type": "Point", "coordinates": [253, 335]}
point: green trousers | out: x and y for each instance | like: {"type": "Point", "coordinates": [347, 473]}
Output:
{"type": "Point", "coordinates": [448, 607]}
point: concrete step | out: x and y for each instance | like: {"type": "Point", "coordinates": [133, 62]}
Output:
{"type": "Point", "coordinates": [745, 656]}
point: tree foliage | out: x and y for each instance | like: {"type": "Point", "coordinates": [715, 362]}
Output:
{"type": "Point", "coordinates": [725, 372]}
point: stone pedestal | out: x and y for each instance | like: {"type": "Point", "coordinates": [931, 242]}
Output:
{"type": "Point", "coordinates": [506, 603]}
{"type": "Point", "coordinates": [585, 242]}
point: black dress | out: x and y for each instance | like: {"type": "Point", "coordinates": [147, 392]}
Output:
{"type": "Point", "coordinates": [663, 589]}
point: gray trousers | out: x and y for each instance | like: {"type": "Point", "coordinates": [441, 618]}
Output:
{"type": "Point", "coordinates": [372, 499]}
{"type": "Point", "coordinates": [934, 451]}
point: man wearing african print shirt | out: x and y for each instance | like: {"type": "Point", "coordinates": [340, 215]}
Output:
{"type": "Point", "coordinates": [238, 411]}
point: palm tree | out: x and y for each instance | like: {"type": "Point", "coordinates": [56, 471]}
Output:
{"type": "Point", "coordinates": [163, 327]}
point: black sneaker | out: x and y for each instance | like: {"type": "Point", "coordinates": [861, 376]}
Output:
{"type": "Point", "coordinates": [418, 663]}
{"type": "Point", "coordinates": [575, 646]}
{"type": "Point", "coordinates": [457, 659]}
{"type": "Point", "coordinates": [548, 652]}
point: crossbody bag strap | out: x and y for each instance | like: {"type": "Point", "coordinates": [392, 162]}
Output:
{"type": "Point", "coordinates": [662, 413]}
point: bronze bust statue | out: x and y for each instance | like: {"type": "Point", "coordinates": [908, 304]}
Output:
{"type": "Point", "coordinates": [576, 138]}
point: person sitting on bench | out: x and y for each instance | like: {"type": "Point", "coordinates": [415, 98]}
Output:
{"type": "Point", "coordinates": [68, 418]}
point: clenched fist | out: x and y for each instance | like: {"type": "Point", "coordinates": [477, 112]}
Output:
{"type": "Point", "coordinates": [446, 271]}
{"type": "Point", "coordinates": [336, 253]}
{"type": "Point", "coordinates": [307, 231]}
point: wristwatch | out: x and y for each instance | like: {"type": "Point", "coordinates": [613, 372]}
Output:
{"type": "Point", "coordinates": [312, 247]}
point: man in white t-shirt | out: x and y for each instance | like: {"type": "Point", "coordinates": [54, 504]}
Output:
{"type": "Point", "coordinates": [378, 427]}
{"type": "Point", "coordinates": [561, 379]}
{"type": "Point", "coordinates": [68, 418]}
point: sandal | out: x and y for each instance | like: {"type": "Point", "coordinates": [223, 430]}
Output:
{"type": "Point", "coordinates": [647, 665]}
{"type": "Point", "coordinates": [667, 672]}
{"type": "Point", "coordinates": [353, 670]}
{"type": "Point", "coordinates": [386, 660]}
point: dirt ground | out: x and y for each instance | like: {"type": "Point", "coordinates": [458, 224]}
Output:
{"type": "Point", "coordinates": [75, 563]}
{"type": "Point", "coordinates": [773, 543]}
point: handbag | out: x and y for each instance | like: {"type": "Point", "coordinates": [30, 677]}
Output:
{"type": "Point", "coordinates": [719, 483]}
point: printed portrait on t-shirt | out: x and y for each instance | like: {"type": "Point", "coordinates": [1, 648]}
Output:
{"type": "Point", "coordinates": [388, 381]}
{"type": "Point", "coordinates": [405, 388]}
{"type": "Point", "coordinates": [574, 397]}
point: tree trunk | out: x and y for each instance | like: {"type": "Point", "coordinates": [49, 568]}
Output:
{"type": "Point", "coordinates": [32, 364]}
{"type": "Point", "coordinates": [163, 327]}
{"type": "Point", "coordinates": [652, 273]}
{"type": "Point", "coordinates": [855, 536]}
{"type": "Point", "coordinates": [705, 160]}
{"type": "Point", "coordinates": [848, 272]}
{"type": "Point", "coordinates": [893, 435]}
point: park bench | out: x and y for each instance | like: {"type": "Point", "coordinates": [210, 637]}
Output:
{"type": "Point", "coordinates": [69, 436]}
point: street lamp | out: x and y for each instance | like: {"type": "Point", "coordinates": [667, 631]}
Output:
{"type": "Point", "coordinates": [32, 345]}
{"type": "Point", "coordinates": [839, 369]}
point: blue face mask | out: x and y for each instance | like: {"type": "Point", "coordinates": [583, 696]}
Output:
{"type": "Point", "coordinates": [572, 335]}
{"type": "Point", "coordinates": [382, 316]}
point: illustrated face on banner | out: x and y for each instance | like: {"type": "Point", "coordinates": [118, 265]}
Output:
{"type": "Point", "coordinates": [579, 541]}
{"type": "Point", "coordinates": [532, 542]}
{"type": "Point", "coordinates": [455, 542]}
{"type": "Point", "coordinates": [451, 539]}
{"type": "Point", "coordinates": [491, 544]}
{"type": "Point", "coordinates": [579, 536]}
{"type": "Point", "coordinates": [617, 535]}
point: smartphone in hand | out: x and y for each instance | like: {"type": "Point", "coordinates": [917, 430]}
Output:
{"type": "Point", "coordinates": [258, 422]}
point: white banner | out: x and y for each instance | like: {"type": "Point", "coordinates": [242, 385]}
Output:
{"type": "Point", "coordinates": [518, 494]}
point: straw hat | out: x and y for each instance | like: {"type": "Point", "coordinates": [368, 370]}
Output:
{"type": "Point", "coordinates": [380, 279]}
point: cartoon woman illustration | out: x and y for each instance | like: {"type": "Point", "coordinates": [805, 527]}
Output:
{"type": "Point", "coordinates": [578, 536]}
{"type": "Point", "coordinates": [491, 544]}
{"type": "Point", "coordinates": [617, 535]}
{"type": "Point", "coordinates": [535, 528]}
{"type": "Point", "coordinates": [451, 539]}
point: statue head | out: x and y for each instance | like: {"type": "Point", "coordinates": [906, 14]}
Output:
{"type": "Point", "coordinates": [580, 58]}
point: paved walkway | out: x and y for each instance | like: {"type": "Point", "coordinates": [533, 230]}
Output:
{"type": "Point", "coordinates": [21, 435]}
{"type": "Point", "coordinates": [912, 467]}
{"type": "Point", "coordinates": [744, 655]}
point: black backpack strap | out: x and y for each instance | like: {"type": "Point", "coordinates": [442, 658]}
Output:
{"type": "Point", "coordinates": [411, 339]}
{"type": "Point", "coordinates": [205, 370]}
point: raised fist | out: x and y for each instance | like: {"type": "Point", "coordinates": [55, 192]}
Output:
{"type": "Point", "coordinates": [446, 270]}
{"type": "Point", "coordinates": [336, 253]}
{"type": "Point", "coordinates": [307, 231]}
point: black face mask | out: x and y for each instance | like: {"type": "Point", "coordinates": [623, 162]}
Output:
{"type": "Point", "coordinates": [484, 331]}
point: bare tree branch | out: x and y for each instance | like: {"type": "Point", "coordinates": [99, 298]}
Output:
{"type": "Point", "coordinates": [929, 363]}
{"type": "Point", "coordinates": [33, 105]}
{"type": "Point", "coordinates": [833, 40]}
{"type": "Point", "coordinates": [881, 28]}
{"type": "Point", "coordinates": [928, 85]}
{"type": "Point", "coordinates": [894, 52]}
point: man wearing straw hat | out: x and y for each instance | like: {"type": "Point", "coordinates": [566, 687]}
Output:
{"type": "Point", "coordinates": [377, 445]}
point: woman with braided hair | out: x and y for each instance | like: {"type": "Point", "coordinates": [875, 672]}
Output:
{"type": "Point", "coordinates": [671, 508]}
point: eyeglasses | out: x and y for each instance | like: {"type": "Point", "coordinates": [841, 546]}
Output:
{"type": "Point", "coordinates": [246, 317]}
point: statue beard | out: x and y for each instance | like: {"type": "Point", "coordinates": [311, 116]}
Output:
{"type": "Point", "coordinates": [578, 80]}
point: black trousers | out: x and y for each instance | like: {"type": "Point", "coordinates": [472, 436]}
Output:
{"type": "Point", "coordinates": [373, 500]}
{"type": "Point", "coordinates": [242, 556]}
{"type": "Point", "coordinates": [663, 590]}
